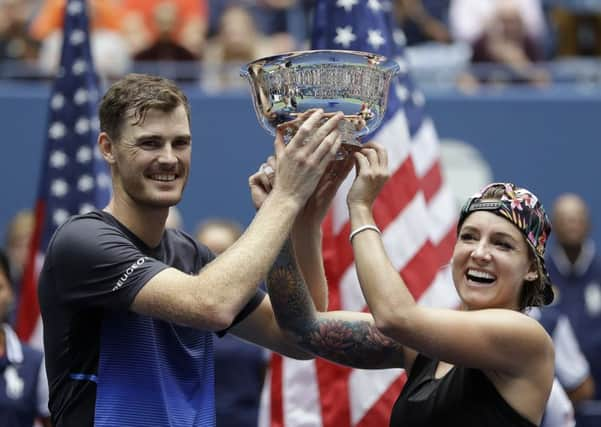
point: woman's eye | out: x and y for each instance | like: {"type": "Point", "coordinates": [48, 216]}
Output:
{"type": "Point", "coordinates": [466, 236]}
{"type": "Point", "coordinates": [504, 245]}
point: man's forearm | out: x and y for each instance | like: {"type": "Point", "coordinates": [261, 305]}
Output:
{"type": "Point", "coordinates": [235, 274]}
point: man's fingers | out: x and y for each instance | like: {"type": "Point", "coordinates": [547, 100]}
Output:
{"type": "Point", "coordinates": [307, 129]}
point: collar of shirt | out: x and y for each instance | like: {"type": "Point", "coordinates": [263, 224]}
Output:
{"type": "Point", "coordinates": [583, 262]}
{"type": "Point", "coordinates": [14, 351]}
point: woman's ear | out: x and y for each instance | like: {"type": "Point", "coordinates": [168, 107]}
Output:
{"type": "Point", "coordinates": [533, 272]}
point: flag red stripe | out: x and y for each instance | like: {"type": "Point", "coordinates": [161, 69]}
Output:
{"type": "Point", "coordinates": [333, 393]}
{"type": "Point", "coordinates": [431, 182]}
{"type": "Point", "coordinates": [398, 192]}
{"type": "Point", "coordinates": [277, 406]}
{"type": "Point", "coordinates": [28, 310]}
{"type": "Point", "coordinates": [421, 270]}
{"type": "Point", "coordinates": [446, 245]}
{"type": "Point", "coordinates": [382, 409]}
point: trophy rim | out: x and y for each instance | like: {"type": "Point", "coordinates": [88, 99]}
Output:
{"type": "Point", "coordinates": [383, 60]}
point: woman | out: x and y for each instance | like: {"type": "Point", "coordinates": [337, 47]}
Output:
{"type": "Point", "coordinates": [488, 364]}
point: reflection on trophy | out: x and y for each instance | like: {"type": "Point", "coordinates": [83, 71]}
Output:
{"type": "Point", "coordinates": [286, 86]}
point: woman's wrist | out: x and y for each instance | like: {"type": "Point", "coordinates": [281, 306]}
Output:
{"type": "Point", "coordinates": [360, 214]}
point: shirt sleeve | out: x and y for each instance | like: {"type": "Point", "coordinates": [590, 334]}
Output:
{"type": "Point", "coordinates": [559, 411]}
{"type": "Point", "coordinates": [42, 393]}
{"type": "Point", "coordinates": [94, 264]}
{"type": "Point", "coordinates": [571, 367]}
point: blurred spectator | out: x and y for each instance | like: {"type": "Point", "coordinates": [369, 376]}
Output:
{"type": "Point", "coordinates": [23, 382]}
{"type": "Point", "coordinates": [15, 41]}
{"type": "Point", "coordinates": [509, 33]}
{"type": "Point", "coordinates": [284, 21]}
{"type": "Point", "coordinates": [17, 240]}
{"type": "Point", "coordinates": [174, 219]}
{"type": "Point", "coordinates": [165, 47]}
{"type": "Point", "coordinates": [237, 42]}
{"type": "Point", "coordinates": [239, 366]}
{"type": "Point", "coordinates": [575, 269]}
{"type": "Point", "coordinates": [578, 28]}
{"type": "Point", "coordinates": [109, 48]}
{"type": "Point", "coordinates": [469, 18]}
{"type": "Point", "coordinates": [423, 20]}
{"type": "Point", "coordinates": [571, 367]}
{"type": "Point", "coordinates": [183, 22]}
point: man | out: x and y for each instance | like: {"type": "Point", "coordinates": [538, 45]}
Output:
{"type": "Point", "coordinates": [129, 307]}
{"type": "Point", "coordinates": [23, 384]}
{"type": "Point", "coordinates": [576, 271]}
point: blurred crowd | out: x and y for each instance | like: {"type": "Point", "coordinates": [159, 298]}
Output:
{"type": "Point", "coordinates": [207, 40]}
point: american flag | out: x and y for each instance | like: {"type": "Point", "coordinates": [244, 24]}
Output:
{"type": "Point", "coordinates": [73, 177]}
{"type": "Point", "coordinates": [417, 214]}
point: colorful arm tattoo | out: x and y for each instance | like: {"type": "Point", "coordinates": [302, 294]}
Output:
{"type": "Point", "coordinates": [353, 343]}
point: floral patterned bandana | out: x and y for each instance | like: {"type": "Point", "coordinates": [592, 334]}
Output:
{"type": "Point", "coordinates": [523, 209]}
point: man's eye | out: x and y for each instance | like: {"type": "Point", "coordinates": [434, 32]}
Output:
{"type": "Point", "coordinates": [149, 143]}
{"type": "Point", "coordinates": [182, 143]}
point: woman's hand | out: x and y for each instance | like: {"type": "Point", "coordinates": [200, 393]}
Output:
{"type": "Point", "coordinates": [261, 182]}
{"type": "Point", "coordinates": [318, 204]}
{"type": "Point", "coordinates": [372, 173]}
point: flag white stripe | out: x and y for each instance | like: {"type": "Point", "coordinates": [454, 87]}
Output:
{"type": "Point", "coordinates": [394, 135]}
{"type": "Point", "coordinates": [442, 217]}
{"type": "Point", "coordinates": [410, 226]}
{"type": "Point", "coordinates": [302, 407]}
{"type": "Point", "coordinates": [424, 149]}
{"type": "Point", "coordinates": [441, 293]}
{"type": "Point", "coordinates": [366, 387]}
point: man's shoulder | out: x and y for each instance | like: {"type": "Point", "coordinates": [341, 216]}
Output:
{"type": "Point", "coordinates": [84, 231]}
{"type": "Point", "coordinates": [183, 243]}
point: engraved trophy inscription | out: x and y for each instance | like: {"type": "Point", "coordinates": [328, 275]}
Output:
{"type": "Point", "coordinates": [285, 86]}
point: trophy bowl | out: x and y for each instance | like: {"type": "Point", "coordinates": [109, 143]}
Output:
{"type": "Point", "coordinates": [285, 86]}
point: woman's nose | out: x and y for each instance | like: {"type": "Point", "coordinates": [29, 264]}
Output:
{"type": "Point", "coordinates": [481, 251]}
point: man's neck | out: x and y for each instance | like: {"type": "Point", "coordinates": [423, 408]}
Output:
{"type": "Point", "coordinates": [146, 223]}
{"type": "Point", "coordinates": [572, 252]}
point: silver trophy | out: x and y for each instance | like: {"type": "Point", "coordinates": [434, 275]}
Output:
{"type": "Point", "coordinates": [286, 86]}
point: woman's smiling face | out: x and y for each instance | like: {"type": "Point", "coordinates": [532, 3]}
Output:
{"type": "Point", "coordinates": [491, 261]}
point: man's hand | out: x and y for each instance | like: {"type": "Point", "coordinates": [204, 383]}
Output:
{"type": "Point", "coordinates": [302, 162]}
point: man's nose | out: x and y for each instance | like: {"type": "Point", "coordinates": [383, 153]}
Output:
{"type": "Point", "coordinates": [167, 154]}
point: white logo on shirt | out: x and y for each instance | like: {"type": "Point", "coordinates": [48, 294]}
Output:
{"type": "Point", "coordinates": [14, 383]}
{"type": "Point", "coordinates": [128, 273]}
{"type": "Point", "coordinates": [592, 298]}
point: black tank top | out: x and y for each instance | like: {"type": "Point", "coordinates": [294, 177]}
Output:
{"type": "Point", "coordinates": [463, 397]}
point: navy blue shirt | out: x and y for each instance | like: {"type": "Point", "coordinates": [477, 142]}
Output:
{"type": "Point", "coordinates": [578, 295]}
{"type": "Point", "coordinates": [23, 386]}
{"type": "Point", "coordinates": [109, 366]}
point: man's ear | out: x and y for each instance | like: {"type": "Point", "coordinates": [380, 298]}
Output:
{"type": "Point", "coordinates": [105, 145]}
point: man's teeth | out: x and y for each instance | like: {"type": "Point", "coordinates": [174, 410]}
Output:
{"type": "Point", "coordinates": [163, 177]}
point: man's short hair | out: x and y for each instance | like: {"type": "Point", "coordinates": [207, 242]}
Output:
{"type": "Point", "coordinates": [133, 96]}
